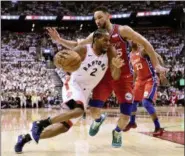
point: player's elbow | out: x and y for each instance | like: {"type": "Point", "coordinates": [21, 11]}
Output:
{"type": "Point", "coordinates": [147, 46]}
{"type": "Point", "coordinates": [75, 44]}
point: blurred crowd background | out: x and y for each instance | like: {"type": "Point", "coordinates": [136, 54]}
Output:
{"type": "Point", "coordinates": [29, 78]}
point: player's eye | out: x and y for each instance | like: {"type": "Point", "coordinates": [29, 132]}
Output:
{"type": "Point", "coordinates": [99, 17]}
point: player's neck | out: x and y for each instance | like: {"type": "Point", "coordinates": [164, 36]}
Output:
{"type": "Point", "coordinates": [109, 27]}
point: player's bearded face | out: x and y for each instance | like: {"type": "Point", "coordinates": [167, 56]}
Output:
{"type": "Point", "coordinates": [104, 43]}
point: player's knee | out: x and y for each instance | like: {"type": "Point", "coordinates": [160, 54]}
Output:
{"type": "Point", "coordinates": [134, 106]}
{"type": "Point", "coordinates": [72, 104]}
{"type": "Point", "coordinates": [126, 108]}
{"type": "Point", "coordinates": [77, 108]}
{"type": "Point", "coordinates": [147, 103]}
{"type": "Point", "coordinates": [77, 113]}
{"type": "Point", "coordinates": [95, 112]}
{"type": "Point", "coordinates": [96, 103]}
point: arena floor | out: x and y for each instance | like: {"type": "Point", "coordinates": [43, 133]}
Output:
{"type": "Point", "coordinates": [77, 142]}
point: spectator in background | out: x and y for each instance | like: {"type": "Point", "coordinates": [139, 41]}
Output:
{"type": "Point", "coordinates": [173, 99]}
{"type": "Point", "coordinates": [24, 71]}
{"type": "Point", "coordinates": [180, 97]}
{"type": "Point", "coordinates": [34, 100]}
{"type": "Point", "coordinates": [22, 100]}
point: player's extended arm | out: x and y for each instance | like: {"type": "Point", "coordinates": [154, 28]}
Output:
{"type": "Point", "coordinates": [164, 80]}
{"type": "Point", "coordinates": [115, 63]}
{"type": "Point", "coordinates": [67, 43]}
{"type": "Point", "coordinates": [129, 33]}
{"type": "Point", "coordinates": [160, 59]}
{"type": "Point", "coordinates": [81, 50]}
{"type": "Point", "coordinates": [163, 77]}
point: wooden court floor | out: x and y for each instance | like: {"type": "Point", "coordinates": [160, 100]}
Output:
{"type": "Point", "coordinates": [77, 142]}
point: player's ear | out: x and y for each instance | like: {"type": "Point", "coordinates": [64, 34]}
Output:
{"type": "Point", "coordinates": [108, 15]}
{"type": "Point", "coordinates": [95, 40]}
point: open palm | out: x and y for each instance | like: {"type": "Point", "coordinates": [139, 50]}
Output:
{"type": "Point", "coordinates": [53, 34]}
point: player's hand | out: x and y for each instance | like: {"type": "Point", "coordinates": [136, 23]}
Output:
{"type": "Point", "coordinates": [163, 79]}
{"type": "Point", "coordinates": [118, 62]}
{"type": "Point", "coordinates": [52, 32]}
{"type": "Point", "coordinates": [161, 70]}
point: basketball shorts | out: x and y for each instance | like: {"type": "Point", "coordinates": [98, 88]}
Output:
{"type": "Point", "coordinates": [145, 89]}
{"type": "Point", "coordinates": [75, 91]}
{"type": "Point", "coordinates": [122, 88]}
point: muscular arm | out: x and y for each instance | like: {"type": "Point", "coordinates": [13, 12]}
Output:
{"type": "Point", "coordinates": [129, 33]}
{"type": "Point", "coordinates": [115, 72]}
{"type": "Point", "coordinates": [71, 44]}
{"type": "Point", "coordinates": [161, 61]}
{"type": "Point", "coordinates": [68, 43]}
{"type": "Point", "coordinates": [162, 77]}
{"type": "Point", "coordinates": [81, 50]}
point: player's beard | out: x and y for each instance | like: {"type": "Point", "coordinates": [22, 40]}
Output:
{"type": "Point", "coordinates": [103, 51]}
{"type": "Point", "coordinates": [103, 26]}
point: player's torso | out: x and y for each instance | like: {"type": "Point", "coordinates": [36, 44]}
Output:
{"type": "Point", "coordinates": [122, 48]}
{"type": "Point", "coordinates": [92, 69]}
{"type": "Point", "coordinates": [142, 66]}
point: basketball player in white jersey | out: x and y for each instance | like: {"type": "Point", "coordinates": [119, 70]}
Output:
{"type": "Point", "coordinates": [96, 58]}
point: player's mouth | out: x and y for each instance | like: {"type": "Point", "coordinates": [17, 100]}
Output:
{"type": "Point", "coordinates": [98, 25]}
{"type": "Point", "coordinates": [105, 48]}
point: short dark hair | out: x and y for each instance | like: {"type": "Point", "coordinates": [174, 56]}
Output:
{"type": "Point", "coordinates": [99, 33]}
{"type": "Point", "coordinates": [101, 8]}
{"type": "Point", "coordinates": [134, 46]}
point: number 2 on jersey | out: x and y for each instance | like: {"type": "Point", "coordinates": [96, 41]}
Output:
{"type": "Point", "coordinates": [93, 72]}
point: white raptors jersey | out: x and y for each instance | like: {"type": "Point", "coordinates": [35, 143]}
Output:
{"type": "Point", "coordinates": [92, 69]}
